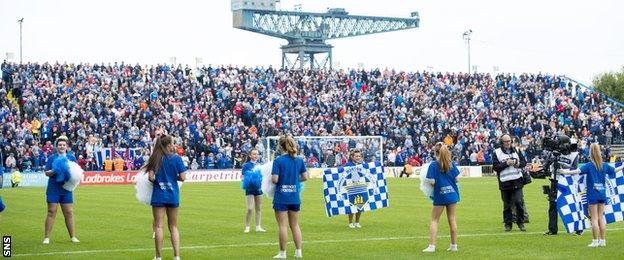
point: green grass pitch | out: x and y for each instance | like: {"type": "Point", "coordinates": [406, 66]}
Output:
{"type": "Point", "coordinates": [111, 224]}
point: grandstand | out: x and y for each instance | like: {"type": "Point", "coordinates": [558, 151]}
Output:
{"type": "Point", "coordinates": [217, 114]}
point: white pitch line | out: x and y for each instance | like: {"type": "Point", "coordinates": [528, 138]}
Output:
{"type": "Point", "coordinates": [275, 243]}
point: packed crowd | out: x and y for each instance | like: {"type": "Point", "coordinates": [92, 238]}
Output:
{"type": "Point", "coordinates": [218, 114]}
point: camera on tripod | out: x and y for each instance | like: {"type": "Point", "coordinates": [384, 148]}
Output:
{"type": "Point", "coordinates": [553, 147]}
{"type": "Point", "coordinates": [559, 144]}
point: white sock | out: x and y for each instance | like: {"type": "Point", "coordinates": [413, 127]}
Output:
{"type": "Point", "coordinates": [298, 253]}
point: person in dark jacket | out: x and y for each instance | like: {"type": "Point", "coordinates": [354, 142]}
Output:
{"type": "Point", "coordinates": [508, 164]}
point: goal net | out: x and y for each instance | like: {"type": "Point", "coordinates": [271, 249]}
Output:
{"type": "Point", "coordinates": [328, 151]}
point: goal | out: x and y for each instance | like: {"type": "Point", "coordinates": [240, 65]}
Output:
{"type": "Point", "coordinates": [328, 151]}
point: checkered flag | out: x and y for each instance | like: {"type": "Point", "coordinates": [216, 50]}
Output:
{"type": "Point", "coordinates": [354, 189]}
{"type": "Point", "coordinates": [615, 198]}
{"type": "Point", "coordinates": [572, 200]}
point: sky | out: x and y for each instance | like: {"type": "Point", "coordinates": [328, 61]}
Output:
{"type": "Point", "coordinates": [577, 38]}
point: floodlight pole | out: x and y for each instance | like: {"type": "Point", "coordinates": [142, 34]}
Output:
{"type": "Point", "coordinates": [20, 21]}
{"type": "Point", "coordinates": [466, 37]}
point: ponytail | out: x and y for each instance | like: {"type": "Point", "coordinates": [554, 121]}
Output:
{"type": "Point", "coordinates": [444, 159]}
{"type": "Point", "coordinates": [287, 144]}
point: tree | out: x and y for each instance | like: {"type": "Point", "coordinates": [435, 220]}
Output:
{"type": "Point", "coordinates": [611, 84]}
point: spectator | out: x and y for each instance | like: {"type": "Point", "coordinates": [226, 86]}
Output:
{"type": "Point", "coordinates": [10, 163]}
{"type": "Point", "coordinates": [108, 164]}
{"type": "Point", "coordinates": [119, 164]}
{"type": "Point", "coordinates": [83, 162]}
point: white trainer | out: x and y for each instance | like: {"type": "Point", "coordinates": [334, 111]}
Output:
{"type": "Point", "coordinates": [351, 225]}
{"type": "Point", "coordinates": [260, 229]}
{"type": "Point", "coordinates": [46, 241]}
{"type": "Point", "coordinates": [452, 248]}
{"type": "Point", "coordinates": [246, 230]}
{"type": "Point", "coordinates": [594, 243]}
{"type": "Point", "coordinates": [75, 240]}
{"type": "Point", "coordinates": [280, 255]}
{"type": "Point", "coordinates": [357, 225]}
{"type": "Point", "coordinates": [429, 249]}
{"type": "Point", "coordinates": [298, 254]}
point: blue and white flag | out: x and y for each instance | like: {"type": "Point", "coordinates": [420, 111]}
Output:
{"type": "Point", "coordinates": [112, 153]}
{"type": "Point", "coordinates": [354, 189]}
{"type": "Point", "coordinates": [572, 201]}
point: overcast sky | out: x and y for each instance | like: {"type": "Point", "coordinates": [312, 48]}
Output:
{"type": "Point", "coordinates": [577, 38]}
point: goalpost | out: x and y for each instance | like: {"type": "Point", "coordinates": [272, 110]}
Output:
{"type": "Point", "coordinates": [328, 150]}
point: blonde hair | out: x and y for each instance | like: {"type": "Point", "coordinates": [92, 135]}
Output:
{"type": "Point", "coordinates": [61, 138]}
{"type": "Point", "coordinates": [353, 152]}
{"type": "Point", "coordinates": [595, 156]}
{"type": "Point", "coordinates": [287, 144]}
{"type": "Point", "coordinates": [444, 159]}
{"type": "Point", "coordinates": [436, 149]}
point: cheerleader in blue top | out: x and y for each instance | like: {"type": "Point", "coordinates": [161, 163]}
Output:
{"type": "Point", "coordinates": [443, 175]}
{"type": "Point", "coordinates": [355, 158]}
{"type": "Point", "coordinates": [288, 172]}
{"type": "Point", "coordinates": [55, 194]}
{"type": "Point", "coordinates": [165, 169]}
{"type": "Point", "coordinates": [596, 172]}
{"type": "Point", "coordinates": [253, 194]}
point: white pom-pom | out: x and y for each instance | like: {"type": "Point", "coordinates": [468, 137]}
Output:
{"type": "Point", "coordinates": [425, 185]}
{"type": "Point", "coordinates": [268, 187]}
{"type": "Point", "coordinates": [75, 177]}
{"type": "Point", "coordinates": [143, 188]}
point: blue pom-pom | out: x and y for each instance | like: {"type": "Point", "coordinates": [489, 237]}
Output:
{"type": "Point", "coordinates": [252, 180]}
{"type": "Point", "coordinates": [2, 207]}
{"type": "Point", "coordinates": [60, 167]}
{"type": "Point", "coordinates": [618, 164]}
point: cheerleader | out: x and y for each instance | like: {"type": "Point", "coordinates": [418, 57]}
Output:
{"type": "Point", "coordinates": [596, 172]}
{"type": "Point", "coordinates": [355, 158]}
{"type": "Point", "coordinates": [253, 192]}
{"type": "Point", "coordinates": [288, 172]}
{"type": "Point", "coordinates": [56, 194]}
{"type": "Point", "coordinates": [443, 175]}
{"type": "Point", "coordinates": [165, 169]}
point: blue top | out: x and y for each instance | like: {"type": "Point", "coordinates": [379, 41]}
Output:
{"type": "Point", "coordinates": [248, 166]}
{"type": "Point", "coordinates": [350, 163]}
{"type": "Point", "coordinates": [54, 187]}
{"type": "Point", "coordinates": [166, 185]}
{"type": "Point", "coordinates": [289, 169]}
{"type": "Point", "coordinates": [596, 180]}
{"type": "Point", "coordinates": [445, 189]}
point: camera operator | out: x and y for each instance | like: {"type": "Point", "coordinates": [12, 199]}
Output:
{"type": "Point", "coordinates": [508, 164]}
{"type": "Point", "coordinates": [566, 161]}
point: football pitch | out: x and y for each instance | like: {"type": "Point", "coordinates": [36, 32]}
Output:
{"type": "Point", "coordinates": [111, 224]}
